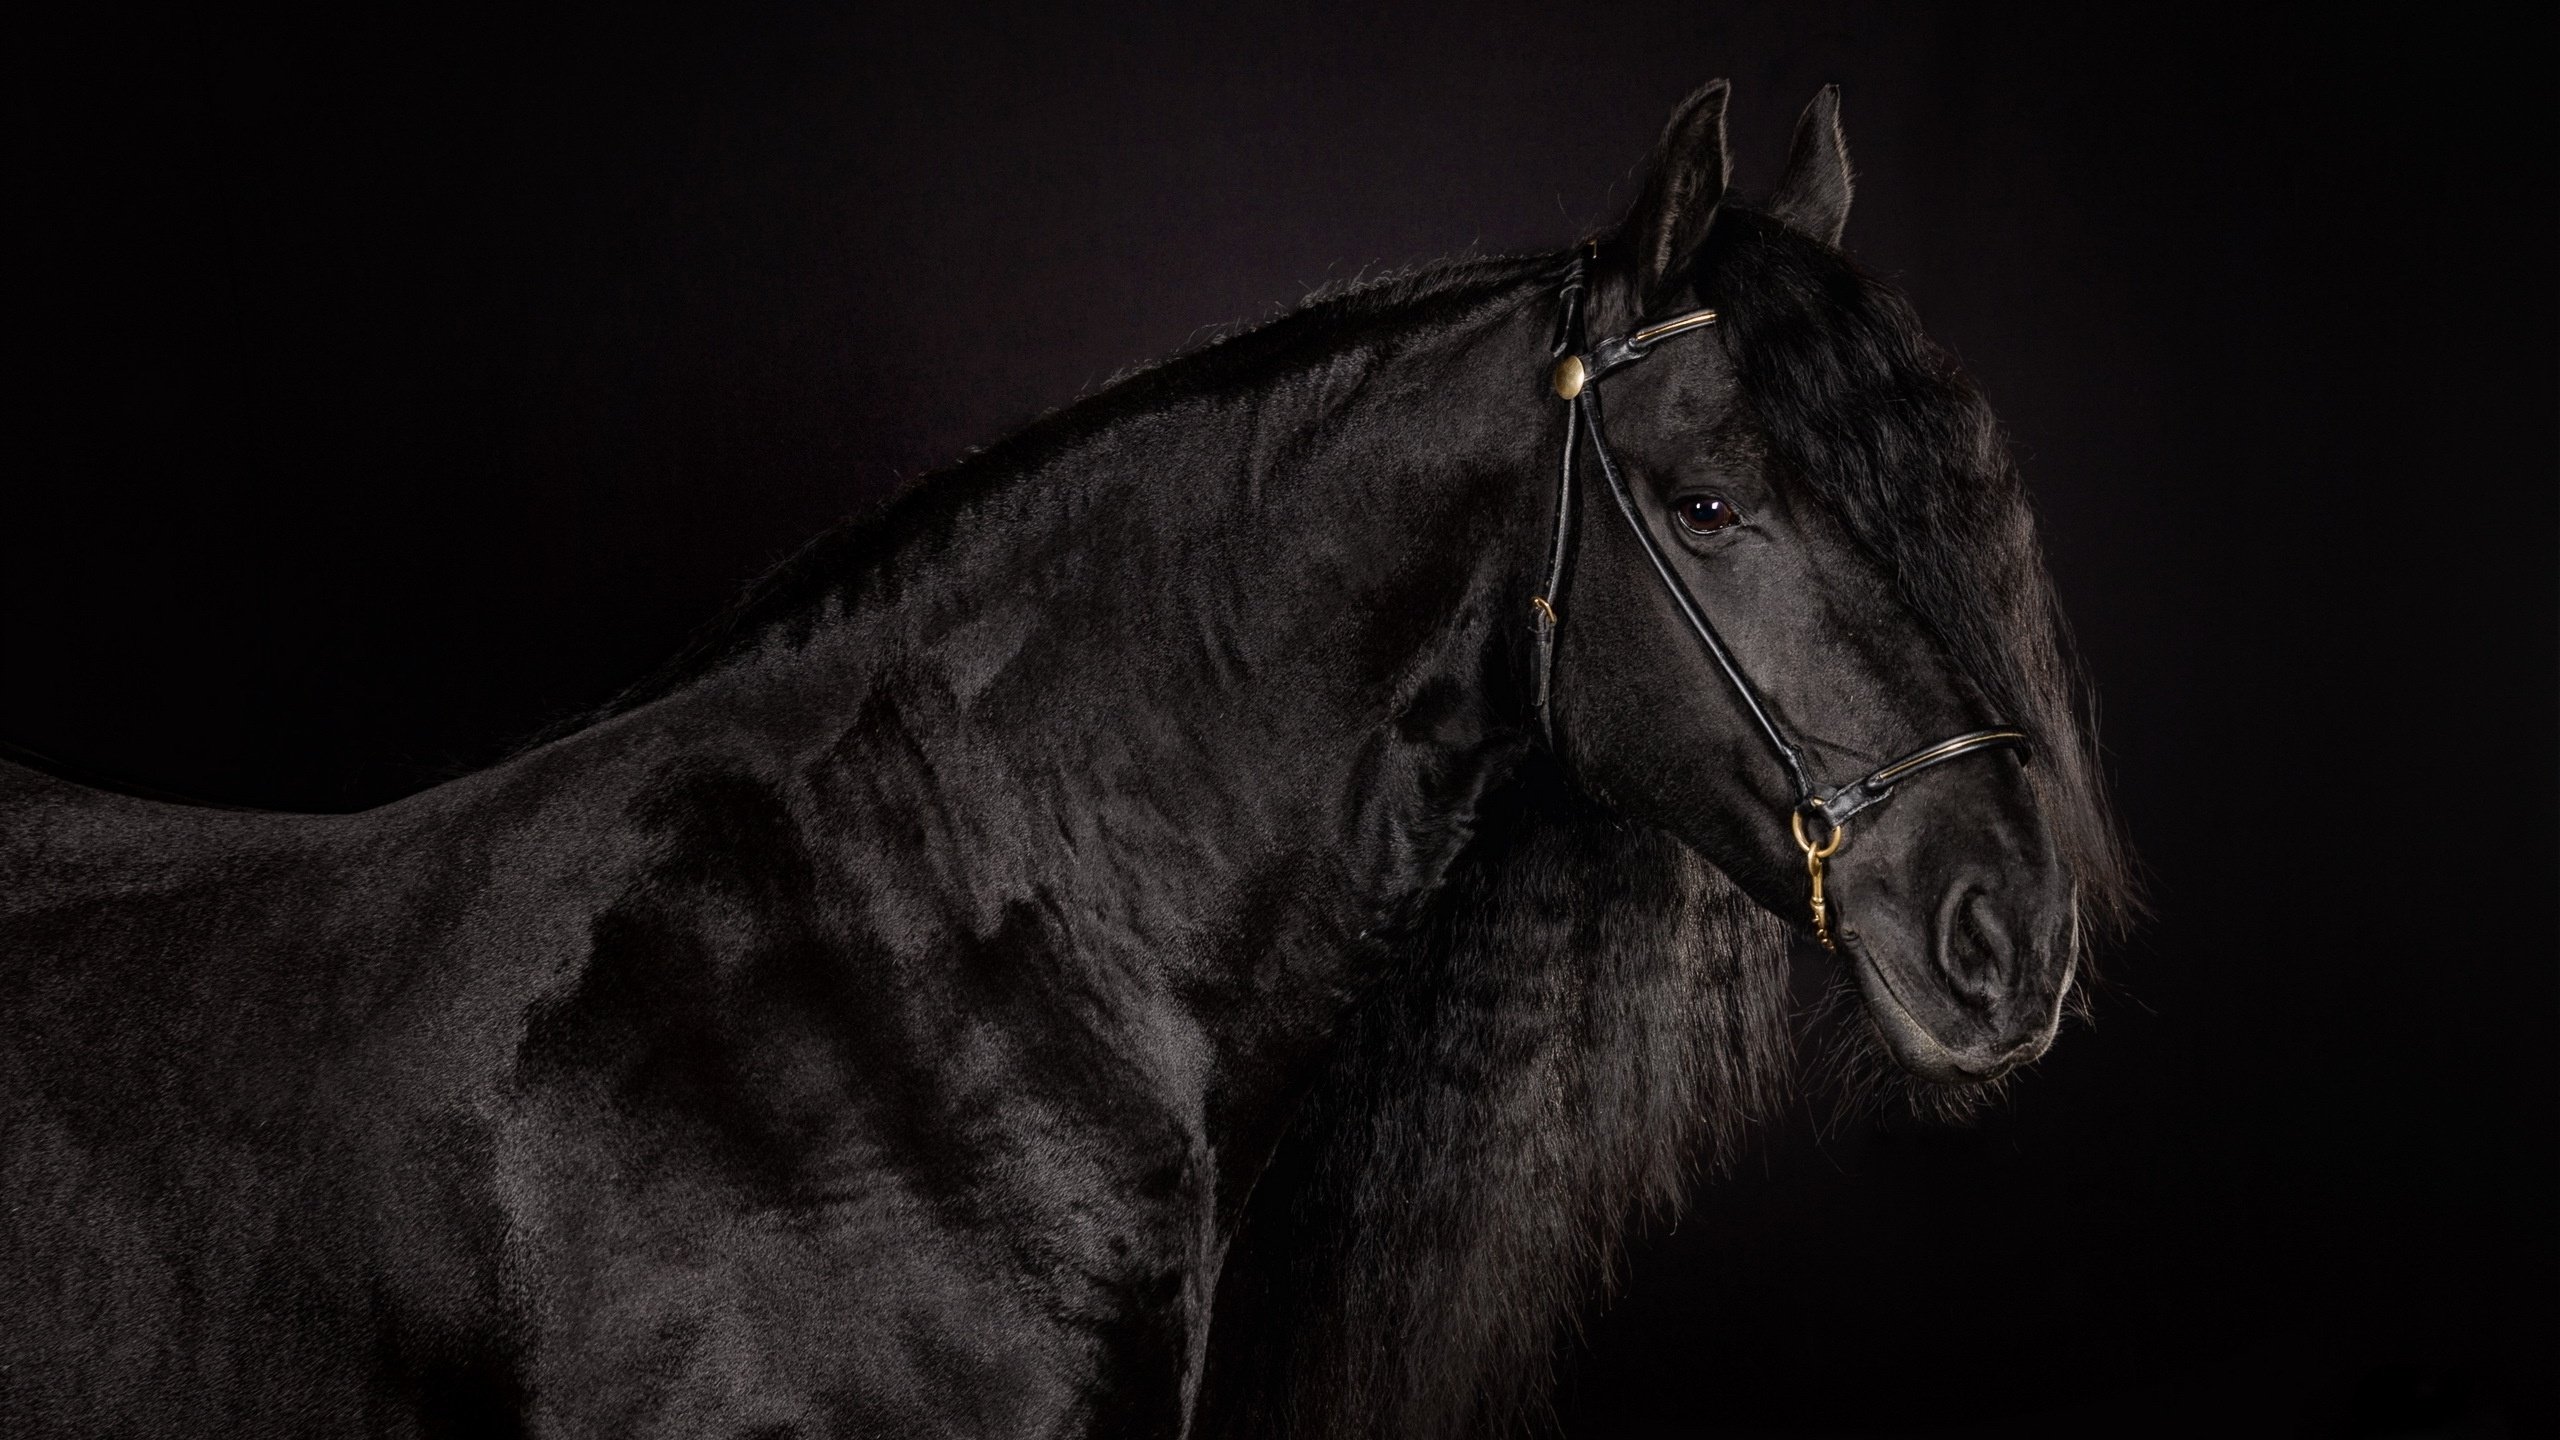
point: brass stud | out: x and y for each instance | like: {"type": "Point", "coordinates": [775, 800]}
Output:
{"type": "Point", "coordinates": [1571, 376]}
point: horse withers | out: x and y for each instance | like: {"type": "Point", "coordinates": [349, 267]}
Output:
{"type": "Point", "coordinates": [1207, 917]}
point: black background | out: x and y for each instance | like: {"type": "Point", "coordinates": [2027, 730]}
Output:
{"type": "Point", "coordinates": [381, 390]}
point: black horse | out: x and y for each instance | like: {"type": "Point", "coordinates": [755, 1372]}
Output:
{"type": "Point", "coordinates": [1207, 917]}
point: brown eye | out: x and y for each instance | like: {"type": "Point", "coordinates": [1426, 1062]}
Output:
{"type": "Point", "coordinates": [1705, 514]}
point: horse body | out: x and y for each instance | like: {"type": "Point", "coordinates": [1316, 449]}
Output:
{"type": "Point", "coordinates": [873, 1005]}
{"type": "Point", "coordinates": [1119, 888]}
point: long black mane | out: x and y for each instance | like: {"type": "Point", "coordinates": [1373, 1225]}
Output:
{"type": "Point", "coordinates": [1593, 1009]}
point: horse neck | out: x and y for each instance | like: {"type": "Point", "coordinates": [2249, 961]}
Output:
{"type": "Point", "coordinates": [1197, 683]}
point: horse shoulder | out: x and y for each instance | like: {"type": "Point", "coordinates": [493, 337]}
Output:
{"type": "Point", "coordinates": [812, 1140]}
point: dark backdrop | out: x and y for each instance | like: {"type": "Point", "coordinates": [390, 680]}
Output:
{"type": "Point", "coordinates": [382, 390]}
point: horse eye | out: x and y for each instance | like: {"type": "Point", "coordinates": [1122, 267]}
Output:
{"type": "Point", "coordinates": [1705, 514]}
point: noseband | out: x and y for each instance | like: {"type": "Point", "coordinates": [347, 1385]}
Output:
{"type": "Point", "coordinates": [1578, 370]}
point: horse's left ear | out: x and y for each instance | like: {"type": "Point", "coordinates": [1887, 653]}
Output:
{"type": "Point", "coordinates": [1680, 196]}
{"type": "Point", "coordinates": [1813, 196]}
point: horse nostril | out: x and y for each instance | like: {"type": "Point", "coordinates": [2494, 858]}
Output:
{"type": "Point", "coordinates": [1974, 948]}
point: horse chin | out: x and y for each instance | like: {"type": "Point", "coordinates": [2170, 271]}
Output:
{"type": "Point", "coordinates": [1919, 1051]}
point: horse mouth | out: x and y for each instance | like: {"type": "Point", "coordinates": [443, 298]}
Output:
{"type": "Point", "coordinates": [1917, 1048]}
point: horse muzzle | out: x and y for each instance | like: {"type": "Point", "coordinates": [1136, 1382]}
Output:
{"type": "Point", "coordinates": [1974, 991]}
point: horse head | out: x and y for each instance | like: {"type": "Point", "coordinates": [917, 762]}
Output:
{"type": "Point", "coordinates": [1803, 625]}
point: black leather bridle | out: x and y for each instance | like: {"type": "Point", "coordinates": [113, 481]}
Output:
{"type": "Point", "coordinates": [1578, 369]}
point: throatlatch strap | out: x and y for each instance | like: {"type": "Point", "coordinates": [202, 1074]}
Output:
{"type": "Point", "coordinates": [1560, 545]}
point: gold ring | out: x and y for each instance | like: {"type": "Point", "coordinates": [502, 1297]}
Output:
{"type": "Point", "coordinates": [1839, 832]}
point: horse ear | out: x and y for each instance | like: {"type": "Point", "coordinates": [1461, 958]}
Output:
{"type": "Point", "coordinates": [1813, 196]}
{"type": "Point", "coordinates": [1681, 194]}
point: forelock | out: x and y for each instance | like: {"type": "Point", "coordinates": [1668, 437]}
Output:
{"type": "Point", "coordinates": [1879, 424]}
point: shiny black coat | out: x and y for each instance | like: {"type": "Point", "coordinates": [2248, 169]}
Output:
{"type": "Point", "coordinates": [1093, 949]}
